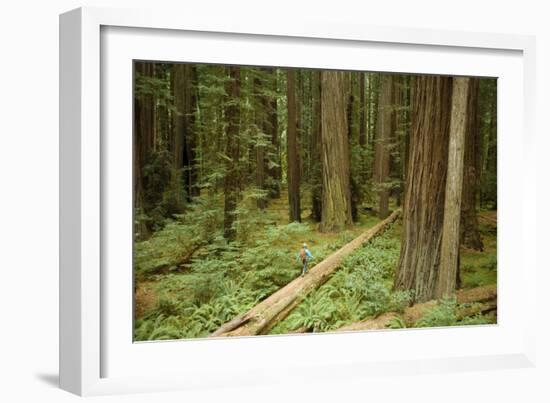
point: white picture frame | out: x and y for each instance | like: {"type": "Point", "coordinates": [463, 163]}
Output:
{"type": "Point", "coordinates": [90, 330]}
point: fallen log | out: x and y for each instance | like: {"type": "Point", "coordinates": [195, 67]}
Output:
{"type": "Point", "coordinates": [483, 299]}
{"type": "Point", "coordinates": [261, 318]}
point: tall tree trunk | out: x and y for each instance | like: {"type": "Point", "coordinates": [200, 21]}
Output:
{"type": "Point", "coordinates": [185, 103]}
{"type": "Point", "coordinates": [316, 183]}
{"type": "Point", "coordinates": [492, 146]}
{"type": "Point", "coordinates": [336, 199]}
{"type": "Point", "coordinates": [275, 170]}
{"type": "Point", "coordinates": [293, 159]}
{"type": "Point", "coordinates": [450, 242]}
{"type": "Point", "coordinates": [384, 125]}
{"type": "Point", "coordinates": [362, 127]}
{"type": "Point", "coordinates": [395, 137]}
{"type": "Point", "coordinates": [425, 189]}
{"type": "Point", "coordinates": [262, 128]}
{"type": "Point", "coordinates": [407, 136]}
{"type": "Point", "coordinates": [143, 144]}
{"type": "Point", "coordinates": [354, 186]}
{"type": "Point", "coordinates": [373, 106]}
{"type": "Point", "coordinates": [231, 182]}
{"type": "Point", "coordinates": [298, 84]}
{"type": "Point", "coordinates": [469, 227]}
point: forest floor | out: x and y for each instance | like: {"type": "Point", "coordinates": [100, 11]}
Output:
{"type": "Point", "coordinates": [221, 282]}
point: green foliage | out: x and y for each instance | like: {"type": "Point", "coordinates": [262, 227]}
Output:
{"type": "Point", "coordinates": [158, 194]}
{"type": "Point", "coordinates": [359, 289]}
{"type": "Point", "coordinates": [176, 317]}
{"type": "Point", "coordinates": [478, 319]}
{"type": "Point", "coordinates": [443, 314]}
{"type": "Point", "coordinates": [154, 86]}
{"type": "Point", "coordinates": [227, 280]}
{"type": "Point", "coordinates": [179, 239]}
{"type": "Point", "coordinates": [396, 323]}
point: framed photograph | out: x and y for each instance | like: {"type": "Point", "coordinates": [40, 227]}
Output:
{"type": "Point", "coordinates": [244, 204]}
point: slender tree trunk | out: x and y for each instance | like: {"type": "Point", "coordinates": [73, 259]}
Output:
{"type": "Point", "coordinates": [293, 159]}
{"type": "Point", "coordinates": [231, 182]}
{"type": "Point", "coordinates": [262, 128]}
{"type": "Point", "coordinates": [185, 103]}
{"type": "Point", "coordinates": [362, 127]}
{"type": "Point", "coordinates": [275, 170]}
{"type": "Point", "coordinates": [492, 147]}
{"type": "Point", "coordinates": [406, 141]}
{"type": "Point", "coordinates": [395, 136]}
{"type": "Point", "coordinates": [191, 141]}
{"type": "Point", "coordinates": [425, 189]}
{"type": "Point", "coordinates": [469, 227]}
{"type": "Point", "coordinates": [450, 243]}
{"type": "Point", "coordinates": [375, 89]}
{"type": "Point", "coordinates": [354, 186]}
{"type": "Point", "coordinates": [143, 144]}
{"type": "Point", "coordinates": [316, 183]}
{"type": "Point", "coordinates": [384, 125]}
{"type": "Point", "coordinates": [368, 108]}
{"type": "Point", "coordinates": [336, 200]}
{"type": "Point", "coordinates": [298, 80]}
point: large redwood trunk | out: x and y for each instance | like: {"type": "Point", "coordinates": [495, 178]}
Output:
{"type": "Point", "coordinates": [423, 210]}
{"type": "Point", "coordinates": [469, 226]}
{"type": "Point", "coordinates": [335, 159]}
{"type": "Point", "coordinates": [450, 238]}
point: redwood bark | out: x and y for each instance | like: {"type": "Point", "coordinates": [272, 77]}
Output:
{"type": "Point", "coordinates": [293, 158]}
{"type": "Point", "coordinates": [425, 189]}
{"type": "Point", "coordinates": [362, 127]}
{"type": "Point", "coordinates": [335, 170]}
{"type": "Point", "coordinates": [144, 118]}
{"type": "Point", "coordinates": [450, 242]}
{"type": "Point", "coordinates": [316, 183]}
{"type": "Point", "coordinates": [354, 185]}
{"type": "Point", "coordinates": [185, 103]}
{"type": "Point", "coordinates": [469, 226]}
{"type": "Point", "coordinates": [384, 125]}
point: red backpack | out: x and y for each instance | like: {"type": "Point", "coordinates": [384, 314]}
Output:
{"type": "Point", "coordinates": [303, 254]}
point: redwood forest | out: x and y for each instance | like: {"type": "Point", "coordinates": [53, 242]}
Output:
{"type": "Point", "coordinates": [275, 200]}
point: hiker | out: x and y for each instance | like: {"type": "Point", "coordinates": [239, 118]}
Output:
{"type": "Point", "coordinates": [305, 257]}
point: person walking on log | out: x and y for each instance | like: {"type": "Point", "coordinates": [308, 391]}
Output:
{"type": "Point", "coordinates": [305, 257]}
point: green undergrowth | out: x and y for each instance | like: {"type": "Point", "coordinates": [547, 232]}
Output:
{"type": "Point", "coordinates": [362, 288]}
{"type": "Point", "coordinates": [480, 268]}
{"type": "Point", "coordinates": [359, 289]}
{"type": "Point", "coordinates": [222, 280]}
{"type": "Point", "coordinates": [444, 314]}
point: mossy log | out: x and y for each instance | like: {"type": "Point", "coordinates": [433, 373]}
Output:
{"type": "Point", "coordinates": [482, 299]}
{"type": "Point", "coordinates": [265, 315]}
